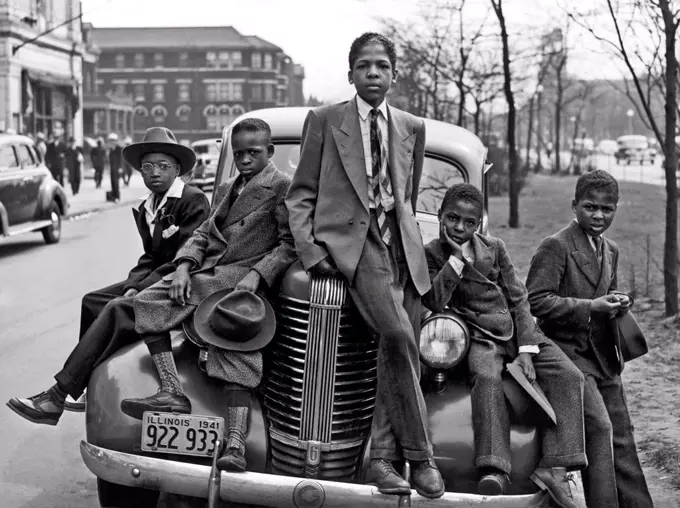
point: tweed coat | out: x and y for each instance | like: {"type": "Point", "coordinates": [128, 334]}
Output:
{"type": "Point", "coordinates": [328, 198]}
{"type": "Point", "coordinates": [188, 212]}
{"type": "Point", "coordinates": [564, 277]}
{"type": "Point", "coordinates": [250, 233]}
{"type": "Point", "coordinates": [489, 296]}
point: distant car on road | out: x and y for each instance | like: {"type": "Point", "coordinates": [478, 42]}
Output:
{"type": "Point", "coordinates": [634, 148]}
{"type": "Point", "coordinates": [607, 147]}
{"type": "Point", "coordinates": [30, 198]}
{"type": "Point", "coordinates": [207, 155]}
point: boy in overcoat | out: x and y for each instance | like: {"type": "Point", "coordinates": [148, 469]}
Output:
{"type": "Point", "coordinates": [166, 218]}
{"type": "Point", "coordinates": [246, 244]}
{"type": "Point", "coordinates": [572, 282]}
{"type": "Point", "coordinates": [474, 275]}
{"type": "Point", "coordinates": [352, 211]}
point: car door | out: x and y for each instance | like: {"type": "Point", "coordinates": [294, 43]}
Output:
{"type": "Point", "coordinates": [33, 176]}
{"type": "Point", "coordinates": [10, 184]}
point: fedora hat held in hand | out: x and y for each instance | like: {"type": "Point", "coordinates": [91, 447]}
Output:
{"type": "Point", "coordinates": [233, 320]}
{"type": "Point", "coordinates": [160, 140]}
{"type": "Point", "coordinates": [527, 399]}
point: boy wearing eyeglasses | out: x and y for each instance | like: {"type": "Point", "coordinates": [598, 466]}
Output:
{"type": "Point", "coordinates": [167, 217]}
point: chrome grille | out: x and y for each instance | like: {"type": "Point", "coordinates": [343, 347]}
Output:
{"type": "Point", "coordinates": [320, 388]}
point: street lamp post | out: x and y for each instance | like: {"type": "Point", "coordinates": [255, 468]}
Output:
{"type": "Point", "coordinates": [630, 113]}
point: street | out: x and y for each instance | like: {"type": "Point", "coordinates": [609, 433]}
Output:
{"type": "Point", "coordinates": [40, 294]}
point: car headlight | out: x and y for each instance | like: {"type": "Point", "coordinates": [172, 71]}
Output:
{"type": "Point", "coordinates": [444, 340]}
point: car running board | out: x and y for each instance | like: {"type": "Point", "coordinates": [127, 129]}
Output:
{"type": "Point", "coordinates": [272, 490]}
{"type": "Point", "coordinates": [28, 227]}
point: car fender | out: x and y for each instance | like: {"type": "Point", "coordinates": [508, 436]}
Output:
{"type": "Point", "coordinates": [51, 191]}
{"type": "Point", "coordinates": [4, 221]}
{"type": "Point", "coordinates": [130, 373]}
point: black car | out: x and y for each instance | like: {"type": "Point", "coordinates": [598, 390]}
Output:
{"type": "Point", "coordinates": [30, 198]}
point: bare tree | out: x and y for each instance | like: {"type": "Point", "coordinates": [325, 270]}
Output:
{"type": "Point", "coordinates": [484, 84]}
{"type": "Point", "coordinates": [513, 221]}
{"type": "Point", "coordinates": [660, 19]}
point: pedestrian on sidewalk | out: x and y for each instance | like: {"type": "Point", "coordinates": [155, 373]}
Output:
{"type": "Point", "coordinates": [74, 163]}
{"type": "Point", "coordinates": [115, 162]}
{"type": "Point", "coordinates": [54, 157]}
{"type": "Point", "coordinates": [41, 145]}
{"type": "Point", "coordinates": [127, 169]}
{"type": "Point", "coordinates": [98, 156]}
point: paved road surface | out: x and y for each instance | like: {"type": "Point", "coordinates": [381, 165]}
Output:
{"type": "Point", "coordinates": [653, 175]}
{"type": "Point", "coordinates": [40, 291]}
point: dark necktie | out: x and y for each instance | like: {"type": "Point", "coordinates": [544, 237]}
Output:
{"type": "Point", "coordinates": [377, 157]}
{"type": "Point", "coordinates": [598, 247]}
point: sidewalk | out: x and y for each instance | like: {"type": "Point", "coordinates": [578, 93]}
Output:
{"type": "Point", "coordinates": [90, 199]}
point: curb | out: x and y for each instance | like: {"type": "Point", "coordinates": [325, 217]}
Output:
{"type": "Point", "coordinates": [82, 214]}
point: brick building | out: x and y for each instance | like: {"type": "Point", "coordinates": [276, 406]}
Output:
{"type": "Point", "coordinates": [194, 80]}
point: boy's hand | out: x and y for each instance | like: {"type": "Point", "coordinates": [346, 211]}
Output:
{"type": "Point", "coordinates": [249, 283]}
{"type": "Point", "coordinates": [456, 250]}
{"type": "Point", "coordinates": [527, 366]}
{"type": "Point", "coordinates": [130, 293]}
{"type": "Point", "coordinates": [605, 305]}
{"type": "Point", "coordinates": [625, 302]}
{"type": "Point", "coordinates": [323, 268]}
{"type": "Point", "coordinates": [180, 289]}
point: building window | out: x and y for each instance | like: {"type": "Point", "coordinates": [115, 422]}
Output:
{"type": "Point", "coordinates": [183, 112]}
{"type": "Point", "coordinates": [159, 114]}
{"type": "Point", "coordinates": [158, 59]}
{"type": "Point", "coordinates": [159, 93]}
{"type": "Point", "coordinates": [256, 60]}
{"type": "Point", "coordinates": [139, 60]}
{"type": "Point", "coordinates": [120, 61]}
{"type": "Point", "coordinates": [141, 118]}
{"type": "Point", "coordinates": [268, 61]}
{"type": "Point", "coordinates": [269, 93]}
{"type": "Point", "coordinates": [50, 111]}
{"type": "Point", "coordinates": [212, 119]}
{"type": "Point", "coordinates": [140, 92]}
{"type": "Point", "coordinates": [223, 91]}
{"type": "Point", "coordinates": [184, 92]}
{"type": "Point", "coordinates": [120, 90]}
{"type": "Point", "coordinates": [224, 113]}
{"type": "Point", "coordinates": [237, 92]}
{"type": "Point", "coordinates": [211, 92]}
{"type": "Point", "coordinates": [184, 59]}
{"type": "Point", "coordinates": [211, 58]}
{"type": "Point", "coordinates": [237, 58]}
{"type": "Point", "coordinates": [237, 111]}
{"type": "Point", "coordinates": [256, 92]}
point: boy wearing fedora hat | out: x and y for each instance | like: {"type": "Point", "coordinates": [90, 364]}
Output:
{"type": "Point", "coordinates": [473, 274]}
{"type": "Point", "coordinates": [572, 291]}
{"type": "Point", "coordinates": [165, 220]}
{"type": "Point", "coordinates": [246, 244]}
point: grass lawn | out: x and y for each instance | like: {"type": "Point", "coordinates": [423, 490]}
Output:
{"type": "Point", "coordinates": [653, 381]}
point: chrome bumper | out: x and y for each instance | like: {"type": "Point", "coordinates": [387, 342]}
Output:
{"type": "Point", "coordinates": [271, 490]}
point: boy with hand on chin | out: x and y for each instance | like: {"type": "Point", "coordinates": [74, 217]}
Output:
{"type": "Point", "coordinates": [473, 274]}
{"type": "Point", "coordinates": [572, 286]}
{"type": "Point", "coordinates": [352, 204]}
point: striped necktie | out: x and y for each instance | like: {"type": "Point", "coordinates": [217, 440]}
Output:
{"type": "Point", "coordinates": [598, 247]}
{"type": "Point", "coordinates": [378, 157]}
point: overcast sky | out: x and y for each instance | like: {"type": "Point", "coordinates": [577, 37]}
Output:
{"type": "Point", "coordinates": [316, 33]}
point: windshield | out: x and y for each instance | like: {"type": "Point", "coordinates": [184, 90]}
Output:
{"type": "Point", "coordinates": [633, 143]}
{"type": "Point", "coordinates": [438, 174]}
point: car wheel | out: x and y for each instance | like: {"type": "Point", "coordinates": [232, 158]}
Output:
{"type": "Point", "coordinates": [52, 233]}
{"type": "Point", "coordinates": [112, 495]}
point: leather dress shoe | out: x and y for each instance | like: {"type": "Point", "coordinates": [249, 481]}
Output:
{"type": "Point", "coordinates": [44, 408]}
{"type": "Point", "coordinates": [492, 484]}
{"type": "Point", "coordinates": [427, 480]}
{"type": "Point", "coordinates": [556, 482]}
{"type": "Point", "coordinates": [162, 402]}
{"type": "Point", "coordinates": [387, 479]}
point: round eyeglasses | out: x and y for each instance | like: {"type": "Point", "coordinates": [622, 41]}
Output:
{"type": "Point", "coordinates": [148, 167]}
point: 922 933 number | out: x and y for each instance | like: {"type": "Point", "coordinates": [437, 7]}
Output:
{"type": "Point", "coordinates": [194, 440]}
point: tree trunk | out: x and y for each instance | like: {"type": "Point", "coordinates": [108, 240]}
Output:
{"type": "Point", "coordinates": [530, 129]}
{"type": "Point", "coordinates": [513, 221]}
{"type": "Point", "coordinates": [558, 122]}
{"type": "Point", "coordinates": [670, 251]}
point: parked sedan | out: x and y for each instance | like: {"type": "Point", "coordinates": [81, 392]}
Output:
{"type": "Point", "coordinates": [207, 154]}
{"type": "Point", "coordinates": [30, 198]}
{"type": "Point", "coordinates": [634, 148]}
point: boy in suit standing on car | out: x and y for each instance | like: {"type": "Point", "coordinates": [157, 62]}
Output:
{"type": "Point", "coordinates": [474, 275]}
{"type": "Point", "coordinates": [352, 211]}
{"type": "Point", "coordinates": [572, 282]}
{"type": "Point", "coordinates": [166, 218]}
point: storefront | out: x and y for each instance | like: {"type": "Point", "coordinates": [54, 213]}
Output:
{"type": "Point", "coordinates": [49, 104]}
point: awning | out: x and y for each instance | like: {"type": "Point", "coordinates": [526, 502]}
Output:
{"type": "Point", "coordinates": [50, 79]}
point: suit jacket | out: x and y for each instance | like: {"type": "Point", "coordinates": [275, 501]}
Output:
{"type": "Point", "coordinates": [250, 233]}
{"type": "Point", "coordinates": [563, 279]}
{"type": "Point", "coordinates": [115, 158]}
{"type": "Point", "coordinates": [189, 212]}
{"type": "Point", "coordinates": [328, 197]}
{"type": "Point", "coordinates": [489, 296]}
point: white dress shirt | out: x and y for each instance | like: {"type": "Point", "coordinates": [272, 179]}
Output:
{"type": "Point", "coordinates": [364, 109]}
{"type": "Point", "coordinates": [591, 239]}
{"type": "Point", "coordinates": [175, 191]}
{"type": "Point", "coordinates": [458, 265]}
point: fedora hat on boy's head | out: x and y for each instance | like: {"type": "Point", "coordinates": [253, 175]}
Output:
{"type": "Point", "coordinates": [233, 320]}
{"type": "Point", "coordinates": [159, 140]}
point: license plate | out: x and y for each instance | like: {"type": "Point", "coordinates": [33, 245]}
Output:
{"type": "Point", "coordinates": [181, 434]}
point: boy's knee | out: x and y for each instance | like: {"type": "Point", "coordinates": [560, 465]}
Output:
{"type": "Point", "coordinates": [488, 377]}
